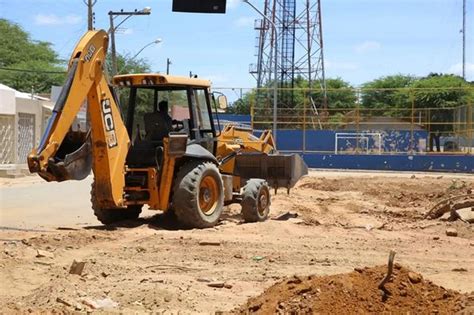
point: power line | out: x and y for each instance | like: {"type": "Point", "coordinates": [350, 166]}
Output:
{"type": "Point", "coordinates": [33, 71]}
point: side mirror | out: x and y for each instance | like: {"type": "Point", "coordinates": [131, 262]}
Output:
{"type": "Point", "coordinates": [222, 101]}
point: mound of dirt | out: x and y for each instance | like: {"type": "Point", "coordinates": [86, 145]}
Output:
{"type": "Point", "coordinates": [357, 293]}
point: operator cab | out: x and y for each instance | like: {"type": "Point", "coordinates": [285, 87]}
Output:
{"type": "Point", "coordinates": [156, 105]}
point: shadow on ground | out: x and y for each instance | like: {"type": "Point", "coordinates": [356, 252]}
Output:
{"type": "Point", "coordinates": [160, 221]}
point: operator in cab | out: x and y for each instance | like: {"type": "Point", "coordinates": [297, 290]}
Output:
{"type": "Point", "coordinates": [158, 124]}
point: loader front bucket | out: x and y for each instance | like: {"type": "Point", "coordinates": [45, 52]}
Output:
{"type": "Point", "coordinates": [279, 170]}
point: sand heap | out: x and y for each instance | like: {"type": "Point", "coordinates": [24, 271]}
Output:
{"type": "Point", "coordinates": [357, 293]}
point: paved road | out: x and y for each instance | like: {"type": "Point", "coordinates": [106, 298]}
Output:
{"type": "Point", "coordinates": [32, 203]}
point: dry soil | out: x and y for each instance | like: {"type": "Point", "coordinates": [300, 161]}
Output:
{"type": "Point", "coordinates": [345, 220]}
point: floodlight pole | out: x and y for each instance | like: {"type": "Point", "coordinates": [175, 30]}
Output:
{"type": "Point", "coordinates": [275, 83]}
{"type": "Point", "coordinates": [464, 39]}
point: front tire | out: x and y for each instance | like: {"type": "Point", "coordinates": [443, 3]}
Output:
{"type": "Point", "coordinates": [110, 216]}
{"type": "Point", "coordinates": [255, 200]}
{"type": "Point", "coordinates": [198, 195]}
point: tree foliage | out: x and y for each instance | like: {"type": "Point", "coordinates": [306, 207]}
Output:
{"type": "Point", "coordinates": [438, 94]}
{"type": "Point", "coordinates": [36, 59]}
{"type": "Point", "coordinates": [441, 91]}
{"type": "Point", "coordinates": [127, 65]}
{"type": "Point", "coordinates": [241, 106]}
{"type": "Point", "coordinates": [387, 92]}
{"type": "Point", "coordinates": [340, 94]}
{"type": "Point", "coordinates": [398, 91]}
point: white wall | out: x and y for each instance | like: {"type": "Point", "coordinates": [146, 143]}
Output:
{"type": "Point", "coordinates": [7, 102]}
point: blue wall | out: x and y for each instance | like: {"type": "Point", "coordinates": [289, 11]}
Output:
{"type": "Point", "coordinates": [392, 141]}
{"type": "Point", "coordinates": [243, 119]}
{"type": "Point", "coordinates": [324, 140]}
{"type": "Point", "coordinates": [399, 162]}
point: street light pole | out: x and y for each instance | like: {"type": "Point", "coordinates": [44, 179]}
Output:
{"type": "Point", "coordinates": [275, 84]}
{"type": "Point", "coordinates": [112, 29]}
{"type": "Point", "coordinates": [156, 41]}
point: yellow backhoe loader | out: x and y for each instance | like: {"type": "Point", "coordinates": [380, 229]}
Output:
{"type": "Point", "coordinates": [166, 150]}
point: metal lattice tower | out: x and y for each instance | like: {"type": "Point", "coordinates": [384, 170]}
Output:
{"type": "Point", "coordinates": [300, 47]}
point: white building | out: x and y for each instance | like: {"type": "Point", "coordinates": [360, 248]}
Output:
{"type": "Point", "coordinates": [23, 118]}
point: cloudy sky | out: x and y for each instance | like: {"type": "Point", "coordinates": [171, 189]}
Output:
{"type": "Point", "coordinates": [364, 39]}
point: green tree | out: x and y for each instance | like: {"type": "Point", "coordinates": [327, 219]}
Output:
{"type": "Point", "coordinates": [240, 106]}
{"type": "Point", "coordinates": [437, 95]}
{"type": "Point", "coordinates": [387, 92]}
{"type": "Point", "coordinates": [127, 65]}
{"type": "Point", "coordinates": [37, 64]}
{"type": "Point", "coordinates": [340, 94]}
{"type": "Point", "coordinates": [441, 91]}
{"type": "Point", "coordinates": [341, 99]}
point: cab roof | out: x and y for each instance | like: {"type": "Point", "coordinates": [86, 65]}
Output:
{"type": "Point", "coordinates": [156, 79]}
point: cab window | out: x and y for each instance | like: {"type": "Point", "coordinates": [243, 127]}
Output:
{"type": "Point", "coordinates": [203, 119]}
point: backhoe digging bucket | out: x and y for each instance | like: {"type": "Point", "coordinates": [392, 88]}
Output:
{"type": "Point", "coordinates": [76, 165]}
{"type": "Point", "coordinates": [72, 161]}
{"type": "Point", "coordinates": [279, 170]}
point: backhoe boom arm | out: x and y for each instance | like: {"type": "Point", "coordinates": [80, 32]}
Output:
{"type": "Point", "coordinates": [107, 142]}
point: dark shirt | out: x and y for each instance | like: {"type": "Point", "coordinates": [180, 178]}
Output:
{"type": "Point", "coordinates": [157, 125]}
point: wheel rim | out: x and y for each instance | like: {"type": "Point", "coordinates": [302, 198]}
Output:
{"type": "Point", "coordinates": [208, 195]}
{"type": "Point", "coordinates": [263, 199]}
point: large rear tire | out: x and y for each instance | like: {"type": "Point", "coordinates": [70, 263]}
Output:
{"type": "Point", "coordinates": [110, 216]}
{"type": "Point", "coordinates": [255, 200]}
{"type": "Point", "coordinates": [198, 195]}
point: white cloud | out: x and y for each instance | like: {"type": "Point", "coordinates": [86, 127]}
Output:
{"type": "Point", "coordinates": [341, 65]}
{"type": "Point", "coordinates": [368, 45]}
{"type": "Point", "coordinates": [128, 31]}
{"type": "Point", "coordinates": [244, 21]}
{"type": "Point", "coordinates": [457, 69]}
{"type": "Point", "coordinates": [52, 19]}
{"type": "Point", "coordinates": [232, 4]}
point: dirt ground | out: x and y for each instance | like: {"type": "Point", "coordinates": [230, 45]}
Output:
{"type": "Point", "coordinates": [345, 220]}
{"type": "Point", "coordinates": [357, 292]}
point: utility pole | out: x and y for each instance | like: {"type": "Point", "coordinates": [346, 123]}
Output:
{"type": "Point", "coordinates": [90, 13]}
{"type": "Point", "coordinates": [168, 62]}
{"type": "Point", "coordinates": [464, 39]}
{"type": "Point", "coordinates": [113, 28]}
{"type": "Point", "coordinates": [113, 50]}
